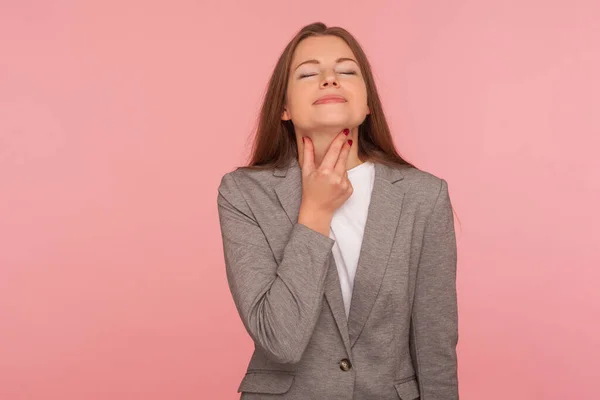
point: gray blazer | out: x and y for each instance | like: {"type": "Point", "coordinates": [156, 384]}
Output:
{"type": "Point", "coordinates": [399, 341]}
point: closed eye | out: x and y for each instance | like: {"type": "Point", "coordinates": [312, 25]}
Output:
{"type": "Point", "coordinates": [344, 73]}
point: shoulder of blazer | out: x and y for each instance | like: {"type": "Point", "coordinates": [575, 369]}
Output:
{"type": "Point", "coordinates": [236, 185]}
{"type": "Point", "coordinates": [245, 179]}
{"type": "Point", "coordinates": [423, 183]}
{"type": "Point", "coordinates": [425, 188]}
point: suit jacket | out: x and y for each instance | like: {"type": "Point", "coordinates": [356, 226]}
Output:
{"type": "Point", "coordinates": [399, 341]}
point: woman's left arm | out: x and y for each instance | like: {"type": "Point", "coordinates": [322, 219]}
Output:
{"type": "Point", "coordinates": [434, 320]}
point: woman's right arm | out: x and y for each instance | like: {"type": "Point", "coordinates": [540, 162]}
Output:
{"type": "Point", "coordinates": [278, 304]}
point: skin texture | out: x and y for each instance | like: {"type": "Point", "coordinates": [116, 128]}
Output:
{"type": "Point", "coordinates": [321, 123]}
{"type": "Point", "coordinates": [325, 154]}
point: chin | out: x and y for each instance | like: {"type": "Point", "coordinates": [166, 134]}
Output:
{"type": "Point", "coordinates": [333, 121]}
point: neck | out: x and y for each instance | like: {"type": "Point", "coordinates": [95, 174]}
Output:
{"type": "Point", "coordinates": [321, 141]}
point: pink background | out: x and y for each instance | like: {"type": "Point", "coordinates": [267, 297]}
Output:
{"type": "Point", "coordinates": [118, 119]}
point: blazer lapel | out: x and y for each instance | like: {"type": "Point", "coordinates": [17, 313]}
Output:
{"type": "Point", "coordinates": [289, 193]}
{"type": "Point", "coordinates": [380, 229]}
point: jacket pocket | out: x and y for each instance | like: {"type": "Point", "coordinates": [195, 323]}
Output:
{"type": "Point", "coordinates": [271, 382]}
{"type": "Point", "coordinates": [407, 389]}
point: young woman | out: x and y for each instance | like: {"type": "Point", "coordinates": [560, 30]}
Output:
{"type": "Point", "coordinates": [340, 255]}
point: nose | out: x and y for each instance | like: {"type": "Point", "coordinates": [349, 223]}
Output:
{"type": "Point", "coordinates": [330, 80]}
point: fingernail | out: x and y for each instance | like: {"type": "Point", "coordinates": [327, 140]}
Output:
{"type": "Point", "coordinates": [346, 131]}
{"type": "Point", "coordinates": [350, 142]}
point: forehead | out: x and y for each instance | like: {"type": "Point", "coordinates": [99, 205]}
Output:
{"type": "Point", "coordinates": [322, 48]}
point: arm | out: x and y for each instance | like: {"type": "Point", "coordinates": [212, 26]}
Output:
{"type": "Point", "coordinates": [278, 304]}
{"type": "Point", "coordinates": [434, 321]}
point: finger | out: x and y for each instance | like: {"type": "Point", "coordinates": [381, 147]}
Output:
{"type": "Point", "coordinates": [340, 165]}
{"type": "Point", "coordinates": [308, 162]}
{"type": "Point", "coordinates": [333, 152]}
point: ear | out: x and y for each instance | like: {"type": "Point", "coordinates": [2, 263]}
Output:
{"type": "Point", "coordinates": [285, 116]}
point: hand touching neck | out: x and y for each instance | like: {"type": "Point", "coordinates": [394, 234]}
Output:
{"type": "Point", "coordinates": [321, 141]}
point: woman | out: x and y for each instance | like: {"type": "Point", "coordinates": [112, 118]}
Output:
{"type": "Point", "coordinates": [340, 255]}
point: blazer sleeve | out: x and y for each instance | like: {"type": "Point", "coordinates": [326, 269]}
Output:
{"type": "Point", "coordinates": [279, 303]}
{"type": "Point", "coordinates": [434, 319]}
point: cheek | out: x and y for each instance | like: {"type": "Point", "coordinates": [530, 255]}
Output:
{"type": "Point", "coordinates": [359, 98]}
{"type": "Point", "coordinates": [299, 98]}
{"type": "Point", "coordinates": [292, 93]}
{"type": "Point", "coordinates": [361, 92]}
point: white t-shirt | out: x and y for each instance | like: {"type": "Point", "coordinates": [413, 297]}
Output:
{"type": "Point", "coordinates": [348, 225]}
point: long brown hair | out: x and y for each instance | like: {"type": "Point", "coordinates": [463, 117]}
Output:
{"type": "Point", "coordinates": [275, 140]}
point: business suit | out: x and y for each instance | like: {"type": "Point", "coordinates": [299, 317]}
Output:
{"type": "Point", "coordinates": [399, 340]}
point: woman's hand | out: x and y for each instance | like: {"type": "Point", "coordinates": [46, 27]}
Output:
{"type": "Point", "coordinates": [326, 187]}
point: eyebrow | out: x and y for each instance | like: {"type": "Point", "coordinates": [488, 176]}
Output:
{"type": "Point", "coordinates": [339, 60]}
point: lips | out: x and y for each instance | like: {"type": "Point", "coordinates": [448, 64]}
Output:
{"type": "Point", "coordinates": [330, 98]}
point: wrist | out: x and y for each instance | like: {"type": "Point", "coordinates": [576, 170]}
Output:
{"type": "Point", "coordinates": [317, 220]}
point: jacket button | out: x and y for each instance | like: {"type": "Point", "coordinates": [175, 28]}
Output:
{"type": "Point", "coordinates": [345, 364]}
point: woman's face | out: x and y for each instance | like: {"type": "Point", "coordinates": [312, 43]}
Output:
{"type": "Point", "coordinates": [325, 65]}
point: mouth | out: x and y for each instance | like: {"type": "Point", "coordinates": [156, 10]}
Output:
{"type": "Point", "coordinates": [330, 99]}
